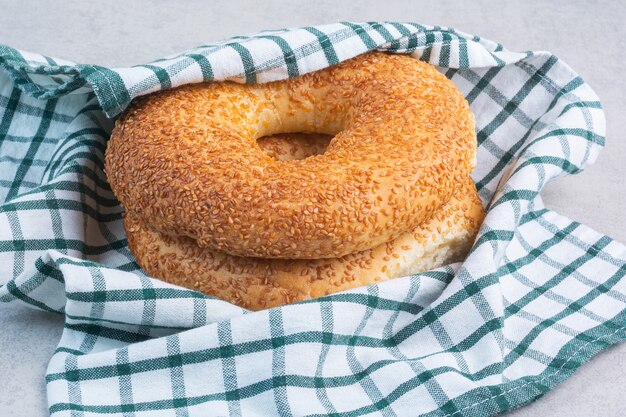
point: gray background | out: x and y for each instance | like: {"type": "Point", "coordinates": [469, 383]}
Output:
{"type": "Point", "coordinates": [586, 34]}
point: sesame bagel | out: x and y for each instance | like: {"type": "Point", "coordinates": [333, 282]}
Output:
{"type": "Point", "coordinates": [256, 283]}
{"type": "Point", "coordinates": [186, 162]}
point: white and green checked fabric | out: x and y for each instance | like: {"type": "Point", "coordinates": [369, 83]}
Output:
{"type": "Point", "coordinates": [536, 298]}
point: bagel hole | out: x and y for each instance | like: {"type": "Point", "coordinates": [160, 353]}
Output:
{"type": "Point", "coordinates": [294, 146]}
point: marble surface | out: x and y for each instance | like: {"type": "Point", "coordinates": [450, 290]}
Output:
{"type": "Point", "coordinates": [585, 34]}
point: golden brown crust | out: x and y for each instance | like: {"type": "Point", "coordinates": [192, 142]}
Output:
{"type": "Point", "coordinates": [256, 283]}
{"type": "Point", "coordinates": [186, 161]}
{"type": "Point", "coordinates": [294, 146]}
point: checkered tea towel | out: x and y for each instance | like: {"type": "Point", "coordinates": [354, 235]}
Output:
{"type": "Point", "coordinates": [537, 297]}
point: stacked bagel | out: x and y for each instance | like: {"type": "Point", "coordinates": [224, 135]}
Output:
{"type": "Point", "coordinates": [216, 201]}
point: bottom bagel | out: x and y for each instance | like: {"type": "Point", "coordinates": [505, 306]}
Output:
{"type": "Point", "coordinates": [256, 284]}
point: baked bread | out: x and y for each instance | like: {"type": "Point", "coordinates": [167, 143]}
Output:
{"type": "Point", "coordinates": [257, 283]}
{"type": "Point", "coordinates": [187, 162]}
